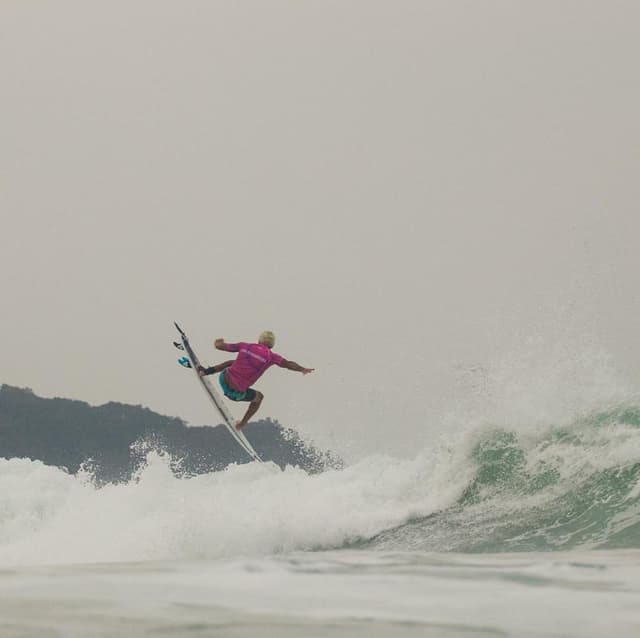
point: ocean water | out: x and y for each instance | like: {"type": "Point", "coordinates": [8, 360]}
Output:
{"type": "Point", "coordinates": [492, 532]}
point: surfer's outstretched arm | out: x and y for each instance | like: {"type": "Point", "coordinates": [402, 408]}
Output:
{"type": "Point", "coordinates": [296, 367]}
{"type": "Point", "coordinates": [202, 371]}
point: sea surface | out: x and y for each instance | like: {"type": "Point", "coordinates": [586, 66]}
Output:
{"type": "Point", "coordinates": [493, 532]}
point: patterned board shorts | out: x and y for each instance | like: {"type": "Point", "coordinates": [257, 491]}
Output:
{"type": "Point", "coordinates": [247, 395]}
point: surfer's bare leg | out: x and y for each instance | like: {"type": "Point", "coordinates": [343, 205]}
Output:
{"type": "Point", "coordinates": [251, 410]}
{"type": "Point", "coordinates": [203, 372]}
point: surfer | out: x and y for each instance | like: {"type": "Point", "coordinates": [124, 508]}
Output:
{"type": "Point", "coordinates": [237, 376]}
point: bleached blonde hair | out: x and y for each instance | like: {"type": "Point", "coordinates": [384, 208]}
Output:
{"type": "Point", "coordinates": [267, 338]}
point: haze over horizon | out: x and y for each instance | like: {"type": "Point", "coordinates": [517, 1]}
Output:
{"type": "Point", "coordinates": [406, 193]}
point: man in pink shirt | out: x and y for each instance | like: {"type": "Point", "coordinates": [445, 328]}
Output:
{"type": "Point", "coordinates": [252, 362]}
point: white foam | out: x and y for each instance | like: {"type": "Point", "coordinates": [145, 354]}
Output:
{"type": "Point", "coordinates": [48, 516]}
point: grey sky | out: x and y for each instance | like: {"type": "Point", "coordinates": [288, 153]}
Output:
{"type": "Point", "coordinates": [399, 190]}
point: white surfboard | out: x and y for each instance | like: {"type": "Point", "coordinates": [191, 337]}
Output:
{"type": "Point", "coordinates": [216, 399]}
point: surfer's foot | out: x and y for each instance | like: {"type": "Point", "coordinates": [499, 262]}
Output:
{"type": "Point", "coordinates": [240, 425]}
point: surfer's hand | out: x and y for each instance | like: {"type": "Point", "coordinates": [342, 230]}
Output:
{"type": "Point", "coordinates": [219, 344]}
{"type": "Point", "coordinates": [307, 370]}
{"type": "Point", "coordinates": [201, 371]}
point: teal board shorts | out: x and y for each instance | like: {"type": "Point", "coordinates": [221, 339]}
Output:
{"type": "Point", "coordinates": [235, 395]}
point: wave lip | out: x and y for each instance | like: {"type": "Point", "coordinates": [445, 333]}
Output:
{"type": "Point", "coordinates": [568, 487]}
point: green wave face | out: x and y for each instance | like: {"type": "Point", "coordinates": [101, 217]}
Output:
{"type": "Point", "coordinates": [558, 489]}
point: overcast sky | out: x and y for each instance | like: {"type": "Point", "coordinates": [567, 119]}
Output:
{"type": "Point", "coordinates": [400, 190]}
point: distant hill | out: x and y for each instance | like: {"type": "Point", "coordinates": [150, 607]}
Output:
{"type": "Point", "coordinates": [112, 439]}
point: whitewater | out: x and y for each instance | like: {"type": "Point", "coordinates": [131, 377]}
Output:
{"type": "Point", "coordinates": [492, 531]}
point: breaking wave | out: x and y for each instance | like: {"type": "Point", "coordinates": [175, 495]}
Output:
{"type": "Point", "coordinates": [489, 489]}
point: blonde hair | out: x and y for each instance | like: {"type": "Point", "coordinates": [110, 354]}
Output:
{"type": "Point", "coordinates": [267, 338]}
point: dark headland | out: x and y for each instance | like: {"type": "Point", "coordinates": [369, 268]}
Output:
{"type": "Point", "coordinates": [112, 440]}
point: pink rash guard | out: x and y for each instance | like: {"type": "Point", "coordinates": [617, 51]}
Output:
{"type": "Point", "coordinates": [252, 361]}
